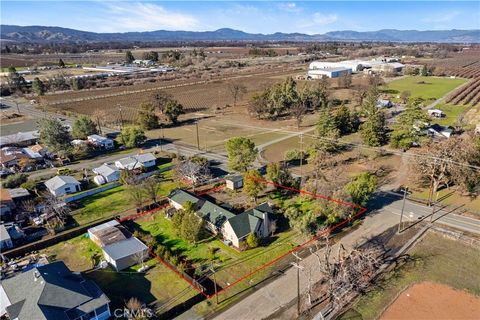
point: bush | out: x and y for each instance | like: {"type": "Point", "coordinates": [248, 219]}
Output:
{"type": "Point", "coordinates": [14, 181]}
{"type": "Point", "coordinates": [293, 154]}
{"type": "Point", "coordinates": [252, 241]}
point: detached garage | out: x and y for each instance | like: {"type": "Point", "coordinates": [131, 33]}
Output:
{"type": "Point", "coordinates": [120, 248]}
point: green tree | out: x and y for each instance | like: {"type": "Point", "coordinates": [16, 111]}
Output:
{"type": "Point", "coordinates": [150, 55]}
{"type": "Point", "coordinates": [82, 127]}
{"type": "Point", "coordinates": [252, 240]}
{"type": "Point", "coordinates": [173, 109]}
{"type": "Point", "coordinates": [132, 136]}
{"type": "Point", "coordinates": [55, 136]}
{"type": "Point", "coordinates": [192, 227]}
{"type": "Point", "coordinates": [241, 153]}
{"type": "Point", "coordinates": [76, 84]}
{"type": "Point", "coordinates": [326, 131]}
{"type": "Point", "coordinates": [279, 174]}
{"type": "Point", "coordinates": [304, 222]}
{"type": "Point", "coordinates": [374, 130]}
{"type": "Point", "coordinates": [15, 180]}
{"type": "Point", "coordinates": [424, 72]}
{"type": "Point", "coordinates": [146, 118]}
{"type": "Point", "coordinates": [38, 87]}
{"type": "Point", "coordinates": [346, 122]}
{"type": "Point", "coordinates": [253, 184]}
{"type": "Point", "coordinates": [61, 64]}
{"type": "Point", "coordinates": [361, 187]}
{"type": "Point", "coordinates": [15, 81]}
{"type": "Point", "coordinates": [129, 58]}
{"type": "Point", "coordinates": [409, 126]}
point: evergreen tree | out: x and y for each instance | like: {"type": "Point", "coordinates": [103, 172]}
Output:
{"type": "Point", "coordinates": [253, 184]}
{"type": "Point", "coordinates": [173, 109]}
{"type": "Point", "coordinates": [82, 127]}
{"type": "Point", "coordinates": [15, 81]}
{"type": "Point", "coordinates": [346, 121]}
{"type": "Point", "coordinates": [374, 130]}
{"type": "Point", "coordinates": [327, 132]}
{"type": "Point", "coordinates": [146, 118]}
{"type": "Point", "coordinates": [61, 64]}
{"type": "Point", "coordinates": [409, 126]}
{"type": "Point", "coordinates": [129, 58]}
{"type": "Point", "coordinates": [132, 136]}
{"type": "Point", "coordinates": [38, 87]}
{"type": "Point", "coordinates": [241, 153]}
{"type": "Point", "coordinates": [55, 136]}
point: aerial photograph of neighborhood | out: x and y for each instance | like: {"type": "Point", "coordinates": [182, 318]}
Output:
{"type": "Point", "coordinates": [239, 160]}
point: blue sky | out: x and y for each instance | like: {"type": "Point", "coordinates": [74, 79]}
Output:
{"type": "Point", "coordinates": [255, 16]}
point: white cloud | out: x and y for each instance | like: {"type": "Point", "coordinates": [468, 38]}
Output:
{"type": "Point", "coordinates": [324, 19]}
{"type": "Point", "coordinates": [442, 17]}
{"type": "Point", "coordinates": [290, 7]}
{"type": "Point", "coordinates": [125, 16]}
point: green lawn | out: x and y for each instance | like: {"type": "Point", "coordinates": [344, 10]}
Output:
{"type": "Point", "coordinates": [79, 253]}
{"type": "Point", "coordinates": [434, 259]}
{"type": "Point", "coordinates": [428, 88]}
{"type": "Point", "coordinates": [116, 200]}
{"type": "Point", "coordinates": [158, 284]}
{"type": "Point", "coordinates": [231, 263]}
{"type": "Point", "coordinates": [102, 205]}
{"type": "Point", "coordinates": [452, 114]}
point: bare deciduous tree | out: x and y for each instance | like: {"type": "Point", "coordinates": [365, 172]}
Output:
{"type": "Point", "coordinates": [237, 90]}
{"type": "Point", "coordinates": [195, 171]}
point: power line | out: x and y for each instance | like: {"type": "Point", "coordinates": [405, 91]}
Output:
{"type": "Point", "coordinates": [362, 146]}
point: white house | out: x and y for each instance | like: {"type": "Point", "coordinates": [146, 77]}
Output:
{"type": "Point", "coordinates": [435, 113]}
{"type": "Point", "coordinates": [106, 173]}
{"type": "Point", "coordinates": [120, 248]}
{"type": "Point", "coordinates": [5, 239]}
{"type": "Point", "coordinates": [145, 160]}
{"type": "Point", "coordinates": [233, 227]}
{"type": "Point", "coordinates": [61, 185]}
{"type": "Point", "coordinates": [100, 141]}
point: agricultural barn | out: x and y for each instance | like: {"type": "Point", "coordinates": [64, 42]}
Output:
{"type": "Point", "coordinates": [354, 65]}
{"type": "Point", "coordinates": [328, 72]}
{"type": "Point", "coordinates": [120, 248]}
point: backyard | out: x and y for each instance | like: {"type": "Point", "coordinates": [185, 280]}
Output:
{"type": "Point", "coordinates": [115, 201]}
{"type": "Point", "coordinates": [434, 259]}
{"type": "Point", "coordinates": [159, 284]}
{"type": "Point", "coordinates": [452, 112]}
{"type": "Point", "coordinates": [427, 88]}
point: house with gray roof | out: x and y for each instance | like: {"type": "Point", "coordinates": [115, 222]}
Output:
{"type": "Point", "coordinates": [120, 248]}
{"type": "Point", "coordinates": [52, 292]}
{"type": "Point", "coordinates": [145, 160]}
{"type": "Point", "coordinates": [62, 185]}
{"type": "Point", "coordinates": [5, 239]}
{"type": "Point", "coordinates": [233, 227]}
{"type": "Point", "coordinates": [106, 173]}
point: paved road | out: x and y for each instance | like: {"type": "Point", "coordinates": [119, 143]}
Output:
{"type": "Point", "coordinates": [33, 112]}
{"type": "Point", "coordinates": [270, 298]}
{"type": "Point", "coordinates": [219, 161]}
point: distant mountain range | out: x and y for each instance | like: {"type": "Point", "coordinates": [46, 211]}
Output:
{"type": "Point", "coordinates": [41, 34]}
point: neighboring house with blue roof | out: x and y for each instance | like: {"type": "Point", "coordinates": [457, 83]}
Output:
{"type": "Point", "coordinates": [53, 292]}
{"type": "Point", "coordinates": [234, 228]}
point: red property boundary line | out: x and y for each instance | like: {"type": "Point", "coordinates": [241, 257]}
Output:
{"type": "Point", "coordinates": [362, 210]}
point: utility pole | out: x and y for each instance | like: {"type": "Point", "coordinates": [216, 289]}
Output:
{"type": "Point", "coordinates": [433, 207]}
{"type": "Point", "coordinates": [301, 158]}
{"type": "Point", "coordinates": [403, 207]}
{"type": "Point", "coordinates": [214, 282]}
{"type": "Point", "coordinates": [119, 107]}
{"type": "Point", "coordinates": [198, 139]}
{"type": "Point", "coordinates": [297, 265]}
{"type": "Point", "coordinates": [18, 109]}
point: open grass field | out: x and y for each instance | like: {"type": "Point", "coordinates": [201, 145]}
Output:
{"type": "Point", "coordinates": [115, 201]}
{"type": "Point", "coordinates": [453, 113]}
{"type": "Point", "coordinates": [428, 88]}
{"type": "Point", "coordinates": [431, 301]}
{"type": "Point", "coordinates": [434, 259]}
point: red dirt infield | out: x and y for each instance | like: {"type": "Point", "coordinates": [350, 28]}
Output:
{"type": "Point", "coordinates": [432, 301]}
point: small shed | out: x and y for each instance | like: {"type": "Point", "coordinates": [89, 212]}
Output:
{"type": "Point", "coordinates": [234, 182]}
{"type": "Point", "coordinates": [436, 113]}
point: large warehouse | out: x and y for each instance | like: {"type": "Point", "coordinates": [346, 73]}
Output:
{"type": "Point", "coordinates": [333, 72]}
